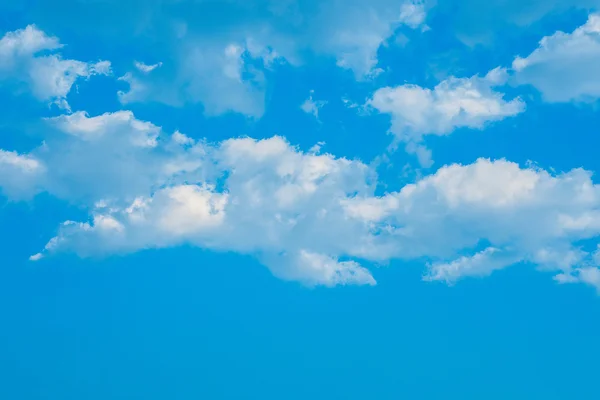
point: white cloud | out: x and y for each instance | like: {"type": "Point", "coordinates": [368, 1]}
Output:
{"type": "Point", "coordinates": [24, 163]}
{"type": "Point", "coordinates": [270, 187]}
{"type": "Point", "coordinates": [205, 71]}
{"type": "Point", "coordinates": [522, 215]}
{"type": "Point", "coordinates": [36, 257]}
{"type": "Point", "coordinates": [139, 90]}
{"type": "Point", "coordinates": [24, 58]}
{"type": "Point", "coordinates": [413, 13]}
{"type": "Point", "coordinates": [317, 215]}
{"type": "Point", "coordinates": [145, 68]}
{"type": "Point", "coordinates": [476, 265]}
{"type": "Point", "coordinates": [591, 276]}
{"type": "Point", "coordinates": [227, 82]}
{"type": "Point", "coordinates": [318, 269]}
{"type": "Point", "coordinates": [139, 133]}
{"type": "Point", "coordinates": [219, 75]}
{"type": "Point", "coordinates": [19, 174]}
{"type": "Point", "coordinates": [90, 158]}
{"type": "Point", "coordinates": [353, 31]}
{"type": "Point", "coordinates": [565, 65]}
{"type": "Point", "coordinates": [453, 103]}
{"type": "Point", "coordinates": [25, 43]}
{"type": "Point", "coordinates": [588, 273]}
{"type": "Point", "coordinates": [311, 106]}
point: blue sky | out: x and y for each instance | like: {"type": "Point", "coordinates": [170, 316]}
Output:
{"type": "Point", "coordinates": [288, 199]}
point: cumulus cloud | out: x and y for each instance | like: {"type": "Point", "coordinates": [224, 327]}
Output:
{"type": "Point", "coordinates": [453, 103]}
{"type": "Point", "coordinates": [149, 189]}
{"type": "Point", "coordinates": [85, 159]}
{"type": "Point", "coordinates": [25, 58]}
{"type": "Point", "coordinates": [319, 218]}
{"type": "Point", "coordinates": [223, 69]}
{"type": "Point", "coordinates": [516, 214]}
{"type": "Point", "coordinates": [565, 65]}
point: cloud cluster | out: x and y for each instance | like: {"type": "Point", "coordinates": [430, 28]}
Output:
{"type": "Point", "coordinates": [150, 189]}
{"type": "Point", "coordinates": [225, 70]}
{"type": "Point", "coordinates": [27, 56]}
{"type": "Point", "coordinates": [453, 103]}
{"type": "Point", "coordinates": [562, 68]}
{"type": "Point", "coordinates": [351, 32]}
{"type": "Point", "coordinates": [492, 214]}
{"type": "Point", "coordinates": [318, 216]}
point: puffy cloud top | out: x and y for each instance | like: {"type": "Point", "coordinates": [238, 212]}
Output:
{"type": "Point", "coordinates": [565, 65]}
{"type": "Point", "coordinates": [24, 58]}
{"type": "Point", "coordinates": [453, 103]}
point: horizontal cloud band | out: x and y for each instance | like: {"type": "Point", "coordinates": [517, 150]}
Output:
{"type": "Point", "coordinates": [308, 216]}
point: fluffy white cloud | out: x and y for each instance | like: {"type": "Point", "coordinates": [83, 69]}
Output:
{"type": "Point", "coordinates": [318, 216]}
{"type": "Point", "coordinates": [589, 275]}
{"type": "Point", "coordinates": [479, 264]}
{"type": "Point", "coordinates": [224, 70]}
{"type": "Point", "coordinates": [516, 214]}
{"type": "Point", "coordinates": [149, 189]}
{"type": "Point", "coordinates": [353, 31]}
{"type": "Point", "coordinates": [86, 159]}
{"type": "Point", "coordinates": [565, 65]}
{"type": "Point", "coordinates": [453, 103]}
{"type": "Point", "coordinates": [356, 35]}
{"type": "Point", "coordinates": [24, 59]}
{"type": "Point", "coordinates": [318, 269]}
{"type": "Point", "coordinates": [229, 82]}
